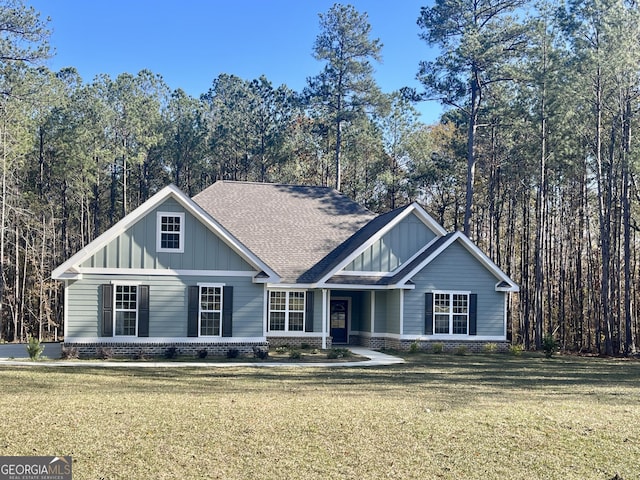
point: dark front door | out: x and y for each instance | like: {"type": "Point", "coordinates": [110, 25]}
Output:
{"type": "Point", "coordinates": [339, 311]}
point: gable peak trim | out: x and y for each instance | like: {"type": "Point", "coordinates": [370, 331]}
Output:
{"type": "Point", "coordinates": [407, 210]}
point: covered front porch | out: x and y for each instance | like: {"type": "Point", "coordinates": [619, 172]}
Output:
{"type": "Point", "coordinates": [368, 318]}
{"type": "Point", "coordinates": [364, 316]}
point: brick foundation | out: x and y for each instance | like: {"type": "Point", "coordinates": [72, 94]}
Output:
{"type": "Point", "coordinates": [382, 343]}
{"type": "Point", "coordinates": [313, 342]}
{"type": "Point", "coordinates": [139, 350]}
{"type": "Point", "coordinates": [451, 346]}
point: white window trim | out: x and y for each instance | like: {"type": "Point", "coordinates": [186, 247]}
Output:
{"type": "Point", "coordinates": [200, 287]}
{"type": "Point", "coordinates": [287, 311]}
{"type": "Point", "coordinates": [117, 284]}
{"type": "Point", "coordinates": [451, 293]}
{"type": "Point", "coordinates": [159, 216]}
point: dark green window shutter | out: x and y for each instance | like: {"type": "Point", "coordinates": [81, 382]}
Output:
{"type": "Point", "coordinates": [107, 310]}
{"type": "Point", "coordinates": [227, 311]}
{"type": "Point", "coordinates": [473, 314]}
{"type": "Point", "coordinates": [428, 313]}
{"type": "Point", "coordinates": [143, 310]}
{"type": "Point", "coordinates": [193, 309]}
{"type": "Point", "coordinates": [308, 307]}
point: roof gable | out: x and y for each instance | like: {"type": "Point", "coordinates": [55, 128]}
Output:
{"type": "Point", "coordinates": [434, 250]}
{"type": "Point", "coordinates": [290, 227]}
{"type": "Point", "coordinates": [69, 269]}
{"type": "Point", "coordinates": [367, 237]}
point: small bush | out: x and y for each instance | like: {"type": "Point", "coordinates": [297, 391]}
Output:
{"type": "Point", "coordinates": [490, 348]}
{"type": "Point", "coordinates": [260, 353]}
{"type": "Point", "coordinates": [295, 354]}
{"type": "Point", "coordinates": [414, 347]}
{"type": "Point", "coordinates": [34, 348]}
{"type": "Point", "coordinates": [516, 349]}
{"type": "Point", "coordinates": [437, 347]}
{"type": "Point", "coordinates": [338, 353]}
{"type": "Point", "coordinates": [203, 353]}
{"type": "Point", "coordinates": [461, 350]}
{"type": "Point", "coordinates": [282, 349]}
{"type": "Point", "coordinates": [171, 353]}
{"type": "Point", "coordinates": [305, 346]}
{"type": "Point", "coordinates": [70, 353]}
{"type": "Point", "coordinates": [142, 355]}
{"type": "Point", "coordinates": [104, 353]}
{"type": "Point", "coordinates": [549, 345]}
{"type": "Point", "coordinates": [233, 353]}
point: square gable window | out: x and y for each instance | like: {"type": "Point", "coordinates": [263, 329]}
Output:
{"type": "Point", "coordinates": [170, 231]}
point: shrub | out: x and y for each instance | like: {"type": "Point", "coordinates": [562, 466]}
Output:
{"type": "Point", "coordinates": [69, 353]}
{"type": "Point", "coordinates": [141, 355]}
{"type": "Point", "coordinates": [549, 345]}
{"type": "Point", "coordinates": [233, 353]}
{"type": "Point", "coordinates": [260, 353]}
{"type": "Point", "coordinates": [461, 350]}
{"type": "Point", "coordinates": [516, 349]}
{"type": "Point", "coordinates": [414, 347]}
{"type": "Point", "coordinates": [104, 353]}
{"type": "Point", "coordinates": [489, 348]}
{"type": "Point", "coordinates": [203, 353]}
{"type": "Point", "coordinates": [338, 353]}
{"type": "Point", "coordinates": [282, 349]}
{"type": "Point", "coordinates": [171, 353]}
{"type": "Point", "coordinates": [34, 349]}
{"type": "Point", "coordinates": [295, 354]}
{"type": "Point", "coordinates": [437, 347]}
{"type": "Point", "coordinates": [305, 346]}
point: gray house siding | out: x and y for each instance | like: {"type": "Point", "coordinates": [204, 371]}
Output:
{"type": "Point", "coordinates": [394, 248]}
{"type": "Point", "coordinates": [380, 314]}
{"type": "Point", "coordinates": [317, 311]}
{"type": "Point", "coordinates": [456, 269]}
{"type": "Point", "coordinates": [365, 324]}
{"type": "Point", "coordinates": [393, 311]}
{"type": "Point", "coordinates": [136, 247]}
{"type": "Point", "coordinates": [167, 304]}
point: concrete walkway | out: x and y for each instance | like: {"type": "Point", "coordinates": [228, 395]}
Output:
{"type": "Point", "coordinates": [375, 359]}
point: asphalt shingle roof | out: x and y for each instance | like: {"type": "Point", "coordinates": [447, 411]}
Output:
{"type": "Point", "coordinates": [290, 227]}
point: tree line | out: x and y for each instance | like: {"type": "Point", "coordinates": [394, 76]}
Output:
{"type": "Point", "coordinates": [534, 157]}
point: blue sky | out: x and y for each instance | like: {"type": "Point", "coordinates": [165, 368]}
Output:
{"type": "Point", "coordinates": [191, 42]}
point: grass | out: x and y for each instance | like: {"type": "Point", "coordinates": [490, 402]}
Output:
{"type": "Point", "coordinates": [437, 416]}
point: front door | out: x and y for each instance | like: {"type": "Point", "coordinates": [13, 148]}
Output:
{"type": "Point", "coordinates": [339, 311]}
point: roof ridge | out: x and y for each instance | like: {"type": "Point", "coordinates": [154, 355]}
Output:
{"type": "Point", "coordinates": [278, 184]}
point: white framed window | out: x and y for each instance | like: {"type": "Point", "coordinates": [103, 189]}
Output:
{"type": "Point", "coordinates": [450, 313]}
{"type": "Point", "coordinates": [210, 311]}
{"type": "Point", "coordinates": [170, 232]}
{"type": "Point", "coordinates": [125, 312]}
{"type": "Point", "coordinates": [287, 310]}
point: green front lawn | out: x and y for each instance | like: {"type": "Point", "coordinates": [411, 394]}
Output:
{"type": "Point", "coordinates": [438, 416]}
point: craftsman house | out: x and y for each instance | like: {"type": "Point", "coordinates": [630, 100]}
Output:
{"type": "Point", "coordinates": [244, 265]}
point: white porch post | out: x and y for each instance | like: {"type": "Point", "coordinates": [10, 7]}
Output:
{"type": "Point", "coordinates": [324, 319]}
{"type": "Point", "coordinates": [65, 313]}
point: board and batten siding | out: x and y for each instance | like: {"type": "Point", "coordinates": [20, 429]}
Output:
{"type": "Point", "coordinates": [456, 269]}
{"type": "Point", "coordinates": [168, 302]}
{"type": "Point", "coordinates": [136, 247]}
{"type": "Point", "coordinates": [393, 248]}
